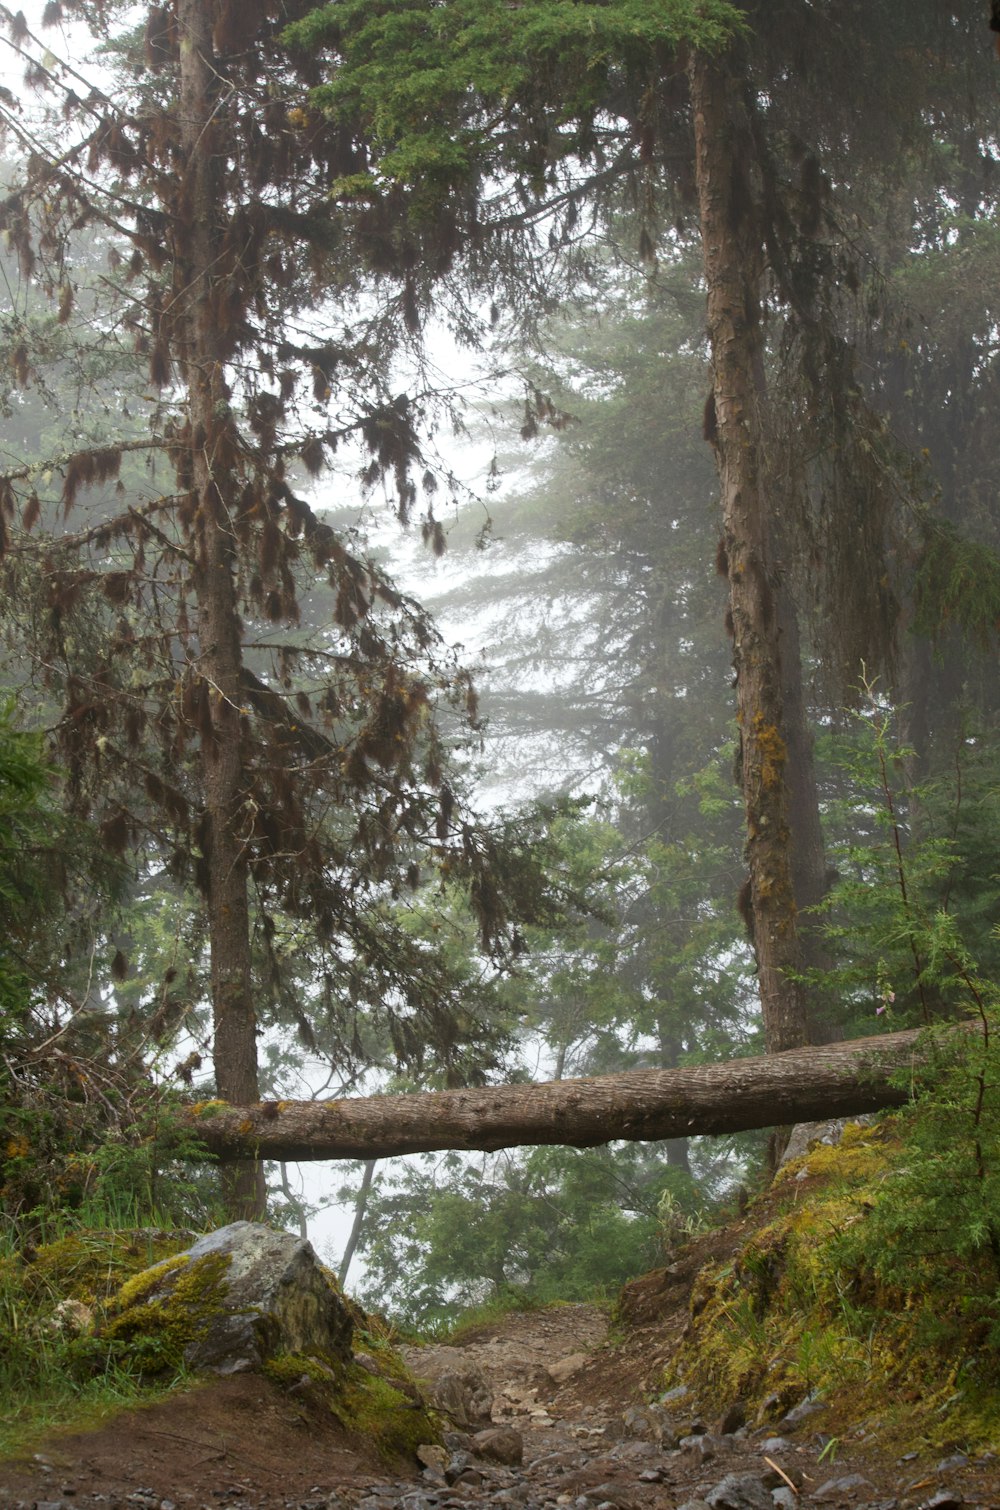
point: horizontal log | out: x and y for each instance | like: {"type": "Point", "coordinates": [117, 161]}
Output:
{"type": "Point", "coordinates": [800, 1085]}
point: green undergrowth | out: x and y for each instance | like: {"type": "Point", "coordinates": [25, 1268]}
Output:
{"type": "Point", "coordinates": [871, 1284]}
{"type": "Point", "coordinates": [54, 1372]}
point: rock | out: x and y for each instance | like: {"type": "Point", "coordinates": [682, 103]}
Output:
{"type": "Point", "coordinates": [948, 1465]}
{"type": "Point", "coordinates": [701, 1449]}
{"type": "Point", "coordinates": [944, 1499]}
{"type": "Point", "coordinates": [235, 1299]}
{"type": "Point", "coordinates": [850, 1486]}
{"type": "Point", "coordinates": [431, 1456]}
{"type": "Point", "coordinates": [675, 1396]}
{"type": "Point", "coordinates": [501, 1443]}
{"type": "Point", "coordinates": [801, 1412]}
{"type": "Point", "coordinates": [611, 1495]}
{"type": "Point", "coordinates": [71, 1318]}
{"type": "Point", "coordinates": [740, 1491]}
{"type": "Point", "coordinates": [565, 1368]}
{"type": "Point", "coordinates": [454, 1385]}
{"type": "Point", "coordinates": [650, 1423]}
{"type": "Point", "coordinates": [806, 1135]}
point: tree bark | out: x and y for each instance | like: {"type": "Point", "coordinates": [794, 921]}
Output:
{"type": "Point", "coordinates": [801, 1085]}
{"type": "Point", "coordinates": [733, 260]}
{"type": "Point", "coordinates": [219, 632]}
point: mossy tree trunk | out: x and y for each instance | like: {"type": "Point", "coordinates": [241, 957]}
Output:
{"type": "Point", "coordinates": [733, 261]}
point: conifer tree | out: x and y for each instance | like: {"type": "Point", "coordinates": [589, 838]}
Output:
{"type": "Point", "coordinates": [561, 102]}
{"type": "Point", "coordinates": [286, 772]}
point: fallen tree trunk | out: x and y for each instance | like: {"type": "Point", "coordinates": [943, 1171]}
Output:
{"type": "Point", "coordinates": [800, 1085]}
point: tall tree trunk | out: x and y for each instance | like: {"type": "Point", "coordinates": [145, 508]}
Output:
{"type": "Point", "coordinates": [733, 260]}
{"type": "Point", "coordinates": [357, 1226]}
{"type": "Point", "coordinates": [810, 873]}
{"type": "Point", "coordinates": [212, 469]}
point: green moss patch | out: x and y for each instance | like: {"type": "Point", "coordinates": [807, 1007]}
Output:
{"type": "Point", "coordinates": [384, 1407]}
{"type": "Point", "coordinates": [804, 1307]}
{"type": "Point", "coordinates": [89, 1266]}
{"type": "Point", "coordinates": [158, 1314]}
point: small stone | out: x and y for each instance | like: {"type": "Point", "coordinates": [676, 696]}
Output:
{"type": "Point", "coordinates": [740, 1491]}
{"type": "Point", "coordinates": [783, 1498]}
{"type": "Point", "coordinates": [565, 1368]}
{"type": "Point", "coordinates": [944, 1499]}
{"type": "Point", "coordinates": [456, 1465]}
{"type": "Point", "coordinates": [776, 1444]}
{"type": "Point", "coordinates": [852, 1484]}
{"type": "Point", "coordinates": [651, 1476]}
{"type": "Point", "coordinates": [432, 1456]}
{"type": "Point", "coordinates": [948, 1465]}
{"type": "Point", "coordinates": [468, 1479]}
{"type": "Point", "coordinates": [501, 1443]}
{"type": "Point", "coordinates": [675, 1396]}
{"type": "Point", "coordinates": [801, 1412]}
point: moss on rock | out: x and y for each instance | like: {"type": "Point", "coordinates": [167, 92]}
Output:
{"type": "Point", "coordinates": [162, 1313]}
{"type": "Point", "coordinates": [236, 1298]}
{"type": "Point", "coordinates": [380, 1402]}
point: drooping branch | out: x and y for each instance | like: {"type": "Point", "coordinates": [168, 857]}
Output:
{"type": "Point", "coordinates": [800, 1085]}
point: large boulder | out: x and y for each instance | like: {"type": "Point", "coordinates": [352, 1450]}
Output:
{"type": "Point", "coordinates": [234, 1300]}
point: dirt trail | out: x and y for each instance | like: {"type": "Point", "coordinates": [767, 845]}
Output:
{"type": "Point", "coordinates": [587, 1441]}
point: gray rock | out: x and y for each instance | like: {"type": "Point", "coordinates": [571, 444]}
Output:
{"type": "Point", "coordinates": [675, 1396]}
{"type": "Point", "coordinates": [251, 1293]}
{"type": "Point", "coordinates": [701, 1449]}
{"type": "Point", "coordinates": [501, 1443]}
{"type": "Point", "coordinates": [454, 1385]}
{"type": "Point", "coordinates": [565, 1368]}
{"type": "Point", "coordinates": [944, 1499]}
{"type": "Point", "coordinates": [783, 1498]}
{"type": "Point", "coordinates": [650, 1423]}
{"type": "Point", "coordinates": [801, 1412]}
{"type": "Point", "coordinates": [740, 1491]}
{"type": "Point", "coordinates": [850, 1485]}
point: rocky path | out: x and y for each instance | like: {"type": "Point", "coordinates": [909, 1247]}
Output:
{"type": "Point", "coordinates": [548, 1413]}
